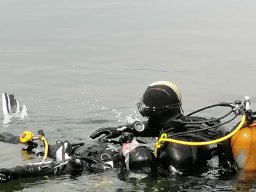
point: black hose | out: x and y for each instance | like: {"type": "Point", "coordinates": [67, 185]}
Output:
{"type": "Point", "coordinates": [209, 120]}
{"type": "Point", "coordinates": [203, 129]}
{"type": "Point", "coordinates": [211, 106]}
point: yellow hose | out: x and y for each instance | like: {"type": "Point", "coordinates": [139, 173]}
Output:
{"type": "Point", "coordinates": [43, 139]}
{"type": "Point", "coordinates": [164, 138]}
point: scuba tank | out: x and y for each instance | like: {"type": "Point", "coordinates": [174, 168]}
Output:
{"type": "Point", "coordinates": [243, 145]}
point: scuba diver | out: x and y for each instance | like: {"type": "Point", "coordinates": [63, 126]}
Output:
{"type": "Point", "coordinates": [67, 158]}
{"type": "Point", "coordinates": [161, 104]}
{"type": "Point", "coordinates": [74, 158]}
{"type": "Point", "coordinates": [184, 142]}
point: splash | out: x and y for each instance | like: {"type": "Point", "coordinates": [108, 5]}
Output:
{"type": "Point", "coordinates": [120, 116]}
{"type": "Point", "coordinates": [12, 109]}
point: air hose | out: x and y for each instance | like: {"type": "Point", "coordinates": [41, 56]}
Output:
{"type": "Point", "coordinates": [46, 146]}
{"type": "Point", "coordinates": [164, 137]}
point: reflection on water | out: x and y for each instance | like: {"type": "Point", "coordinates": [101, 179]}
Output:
{"type": "Point", "coordinates": [109, 181]}
{"type": "Point", "coordinates": [246, 181]}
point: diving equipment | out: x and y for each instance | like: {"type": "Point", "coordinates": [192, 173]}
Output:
{"type": "Point", "coordinates": [28, 138]}
{"type": "Point", "coordinates": [171, 147]}
{"type": "Point", "coordinates": [243, 145]}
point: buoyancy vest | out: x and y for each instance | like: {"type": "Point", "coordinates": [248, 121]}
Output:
{"type": "Point", "coordinates": [100, 156]}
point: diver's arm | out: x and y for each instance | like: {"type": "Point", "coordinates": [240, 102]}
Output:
{"type": "Point", "coordinates": [6, 137]}
{"type": "Point", "coordinates": [9, 138]}
{"type": "Point", "coordinates": [32, 170]}
{"type": "Point", "coordinates": [114, 132]}
{"type": "Point", "coordinates": [42, 169]}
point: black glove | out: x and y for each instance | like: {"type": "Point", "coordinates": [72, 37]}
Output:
{"type": "Point", "coordinates": [109, 132]}
{"type": "Point", "coordinates": [5, 175]}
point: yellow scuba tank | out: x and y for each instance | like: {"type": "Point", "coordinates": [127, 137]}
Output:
{"type": "Point", "coordinates": [243, 145]}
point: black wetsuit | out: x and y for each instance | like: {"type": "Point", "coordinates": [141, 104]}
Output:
{"type": "Point", "coordinates": [6, 137]}
{"type": "Point", "coordinates": [181, 157]}
{"type": "Point", "coordinates": [77, 158]}
{"type": "Point", "coordinates": [69, 158]}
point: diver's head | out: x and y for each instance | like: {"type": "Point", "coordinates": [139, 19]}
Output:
{"type": "Point", "coordinates": [141, 159]}
{"type": "Point", "coordinates": [161, 98]}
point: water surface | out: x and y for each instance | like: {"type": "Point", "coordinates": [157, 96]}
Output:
{"type": "Point", "coordinates": [80, 65]}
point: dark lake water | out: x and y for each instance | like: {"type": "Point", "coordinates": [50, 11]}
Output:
{"type": "Point", "coordinates": [79, 65]}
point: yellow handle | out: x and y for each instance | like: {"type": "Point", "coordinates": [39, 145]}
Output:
{"type": "Point", "coordinates": [46, 146]}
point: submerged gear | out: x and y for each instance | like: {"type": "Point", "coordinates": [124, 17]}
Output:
{"type": "Point", "coordinates": [100, 156]}
{"type": "Point", "coordinates": [159, 96]}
